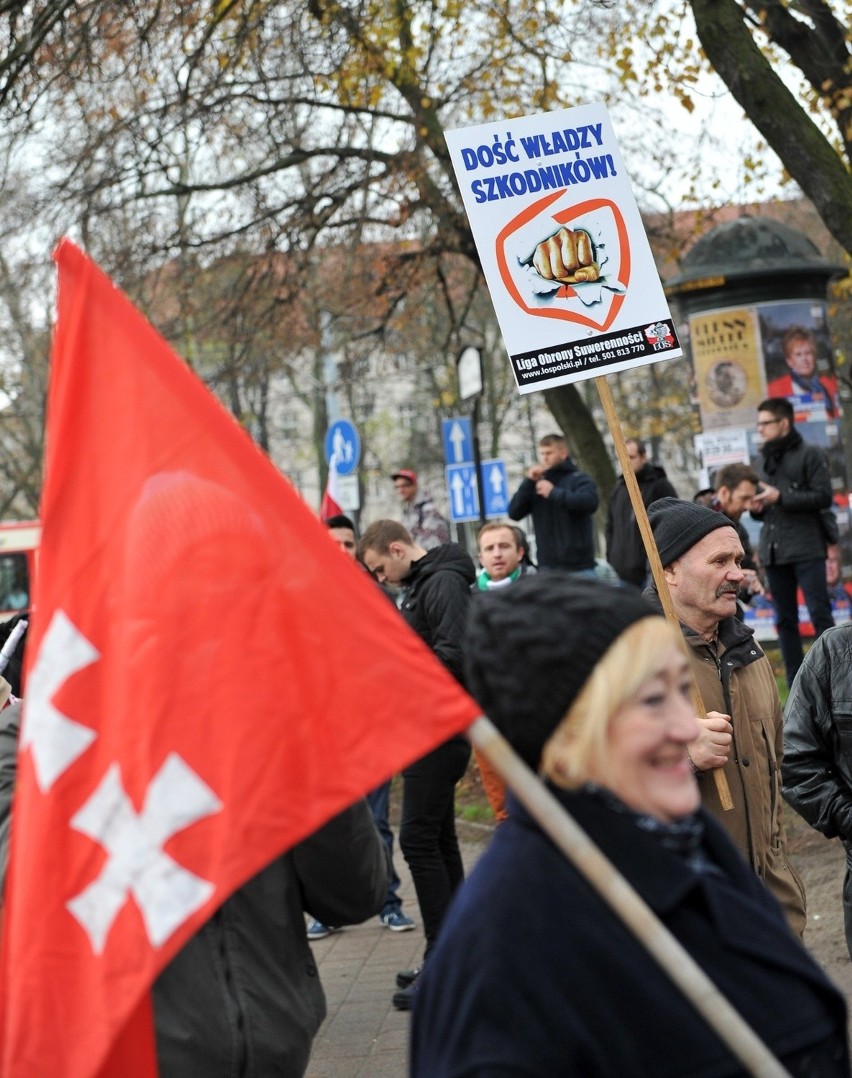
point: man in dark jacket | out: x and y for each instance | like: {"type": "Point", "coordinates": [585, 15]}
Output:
{"type": "Point", "coordinates": [795, 489]}
{"type": "Point", "coordinates": [243, 996]}
{"type": "Point", "coordinates": [434, 600]}
{"type": "Point", "coordinates": [562, 500]}
{"type": "Point", "coordinates": [625, 550]}
{"type": "Point", "coordinates": [816, 772]}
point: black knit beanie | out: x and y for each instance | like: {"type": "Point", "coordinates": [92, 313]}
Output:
{"type": "Point", "coordinates": [678, 525]}
{"type": "Point", "coordinates": [531, 647]}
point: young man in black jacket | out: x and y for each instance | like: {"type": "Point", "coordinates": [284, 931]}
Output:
{"type": "Point", "coordinates": [434, 600]}
{"type": "Point", "coordinates": [795, 489]}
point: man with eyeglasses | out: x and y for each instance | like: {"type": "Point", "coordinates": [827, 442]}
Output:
{"type": "Point", "coordinates": [795, 489]}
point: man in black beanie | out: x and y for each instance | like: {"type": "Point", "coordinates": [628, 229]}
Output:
{"type": "Point", "coordinates": [702, 555]}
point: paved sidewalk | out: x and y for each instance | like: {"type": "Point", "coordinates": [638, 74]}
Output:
{"type": "Point", "coordinates": [363, 1036]}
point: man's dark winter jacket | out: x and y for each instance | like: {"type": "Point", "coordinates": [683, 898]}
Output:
{"type": "Point", "coordinates": [817, 768]}
{"type": "Point", "coordinates": [625, 550]}
{"type": "Point", "coordinates": [564, 534]}
{"type": "Point", "coordinates": [791, 529]}
{"type": "Point", "coordinates": [243, 996]}
{"type": "Point", "coordinates": [434, 602]}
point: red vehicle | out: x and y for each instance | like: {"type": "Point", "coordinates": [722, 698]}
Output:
{"type": "Point", "coordinates": [18, 545]}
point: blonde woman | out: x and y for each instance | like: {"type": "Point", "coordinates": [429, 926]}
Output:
{"type": "Point", "coordinates": [533, 974]}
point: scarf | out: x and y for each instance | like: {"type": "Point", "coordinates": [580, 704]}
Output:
{"type": "Point", "coordinates": [814, 386]}
{"type": "Point", "coordinates": [684, 837]}
{"type": "Point", "coordinates": [485, 583]}
{"type": "Point", "coordinates": [775, 449]}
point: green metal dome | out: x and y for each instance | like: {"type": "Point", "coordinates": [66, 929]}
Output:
{"type": "Point", "coordinates": [752, 247]}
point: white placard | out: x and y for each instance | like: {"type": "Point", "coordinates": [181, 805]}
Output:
{"type": "Point", "coordinates": [347, 489]}
{"type": "Point", "coordinates": [720, 447]}
{"type": "Point", "coordinates": [562, 245]}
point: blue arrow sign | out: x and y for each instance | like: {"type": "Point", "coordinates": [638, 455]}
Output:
{"type": "Point", "coordinates": [495, 493]}
{"type": "Point", "coordinates": [462, 493]}
{"type": "Point", "coordinates": [341, 440]}
{"type": "Point", "coordinates": [457, 436]}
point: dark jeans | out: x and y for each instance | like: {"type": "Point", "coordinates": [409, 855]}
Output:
{"type": "Point", "coordinates": [427, 834]}
{"type": "Point", "coordinates": [783, 581]}
{"type": "Point", "coordinates": [378, 801]}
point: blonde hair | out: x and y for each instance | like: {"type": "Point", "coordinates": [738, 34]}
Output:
{"type": "Point", "coordinates": [640, 652]}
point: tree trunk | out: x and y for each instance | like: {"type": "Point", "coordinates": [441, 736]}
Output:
{"type": "Point", "coordinates": [805, 152]}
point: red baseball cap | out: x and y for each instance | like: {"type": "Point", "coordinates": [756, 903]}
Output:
{"type": "Point", "coordinates": [405, 473]}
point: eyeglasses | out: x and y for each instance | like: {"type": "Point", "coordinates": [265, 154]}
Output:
{"type": "Point", "coordinates": [767, 423]}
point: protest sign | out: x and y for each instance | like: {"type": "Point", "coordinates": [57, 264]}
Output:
{"type": "Point", "coordinates": [563, 247]}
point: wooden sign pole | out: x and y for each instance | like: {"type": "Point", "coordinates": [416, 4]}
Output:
{"type": "Point", "coordinates": [641, 515]}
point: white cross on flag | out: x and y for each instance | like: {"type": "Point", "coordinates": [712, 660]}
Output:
{"type": "Point", "coordinates": [210, 680]}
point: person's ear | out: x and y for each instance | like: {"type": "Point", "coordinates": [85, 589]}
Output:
{"type": "Point", "coordinates": [670, 572]}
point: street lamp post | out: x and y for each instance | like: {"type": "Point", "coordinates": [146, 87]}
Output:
{"type": "Point", "coordinates": [469, 370]}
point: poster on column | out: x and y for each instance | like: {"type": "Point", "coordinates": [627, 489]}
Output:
{"type": "Point", "coordinates": [726, 352]}
{"type": "Point", "coordinates": [562, 245]}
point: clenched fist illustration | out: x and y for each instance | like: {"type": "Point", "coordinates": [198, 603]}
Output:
{"type": "Point", "coordinates": [568, 256]}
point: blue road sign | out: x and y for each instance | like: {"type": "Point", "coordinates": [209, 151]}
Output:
{"type": "Point", "coordinates": [457, 435]}
{"type": "Point", "coordinates": [462, 493]}
{"type": "Point", "coordinates": [495, 493]}
{"type": "Point", "coordinates": [341, 440]}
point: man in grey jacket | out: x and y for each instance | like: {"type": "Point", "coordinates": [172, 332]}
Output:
{"type": "Point", "coordinates": [420, 516]}
{"type": "Point", "coordinates": [243, 995]}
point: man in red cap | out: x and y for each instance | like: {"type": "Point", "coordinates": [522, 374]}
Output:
{"type": "Point", "coordinates": [420, 516]}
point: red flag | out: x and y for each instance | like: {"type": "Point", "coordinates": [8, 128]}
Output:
{"type": "Point", "coordinates": [210, 679]}
{"type": "Point", "coordinates": [331, 499]}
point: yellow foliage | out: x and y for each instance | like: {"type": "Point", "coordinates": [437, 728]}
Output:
{"type": "Point", "coordinates": [842, 289]}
